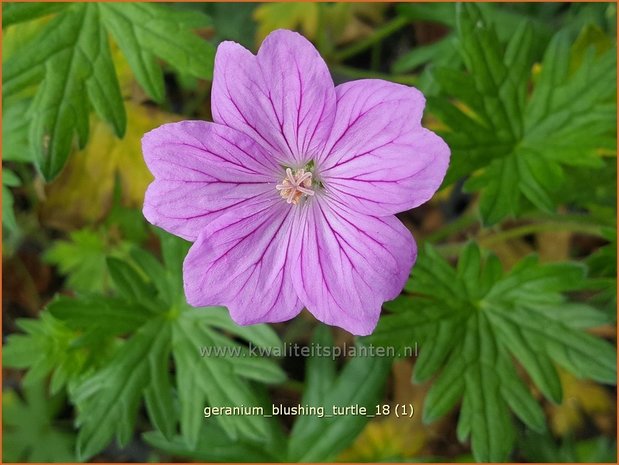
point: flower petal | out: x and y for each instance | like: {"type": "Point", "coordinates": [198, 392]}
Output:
{"type": "Point", "coordinates": [241, 261]}
{"type": "Point", "coordinates": [202, 170]}
{"type": "Point", "coordinates": [284, 97]}
{"type": "Point", "coordinates": [379, 159]}
{"type": "Point", "coordinates": [349, 263]}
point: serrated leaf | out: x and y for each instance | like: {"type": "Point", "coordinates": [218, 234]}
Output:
{"type": "Point", "coordinates": [15, 12]}
{"type": "Point", "coordinates": [108, 402]}
{"type": "Point", "coordinates": [74, 56]}
{"type": "Point", "coordinates": [433, 53]}
{"type": "Point", "coordinates": [159, 398]}
{"type": "Point", "coordinates": [73, 200]}
{"type": "Point", "coordinates": [159, 331]}
{"type": "Point", "coordinates": [210, 379]}
{"type": "Point", "coordinates": [320, 370]}
{"type": "Point", "coordinates": [214, 445]}
{"type": "Point", "coordinates": [83, 259]}
{"type": "Point", "coordinates": [516, 146]}
{"type": "Point", "coordinates": [108, 315]}
{"type": "Point", "coordinates": [360, 383]}
{"type": "Point", "coordinates": [128, 282]}
{"type": "Point", "coordinates": [30, 430]}
{"type": "Point", "coordinates": [146, 31]}
{"type": "Point", "coordinates": [543, 448]}
{"type": "Point", "coordinates": [260, 335]}
{"type": "Point", "coordinates": [71, 60]}
{"type": "Point", "coordinates": [115, 354]}
{"type": "Point", "coordinates": [15, 131]}
{"type": "Point", "coordinates": [471, 320]}
{"type": "Point", "coordinates": [47, 348]}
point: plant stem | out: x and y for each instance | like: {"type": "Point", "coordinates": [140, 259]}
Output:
{"type": "Point", "coordinates": [573, 225]}
{"type": "Point", "coordinates": [459, 224]}
{"type": "Point", "coordinates": [365, 74]}
{"type": "Point", "coordinates": [582, 228]}
{"type": "Point", "coordinates": [378, 35]}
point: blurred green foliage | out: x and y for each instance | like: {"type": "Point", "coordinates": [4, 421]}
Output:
{"type": "Point", "coordinates": [30, 433]}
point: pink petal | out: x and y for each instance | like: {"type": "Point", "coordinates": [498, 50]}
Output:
{"type": "Point", "coordinates": [202, 170]}
{"type": "Point", "coordinates": [379, 160]}
{"type": "Point", "coordinates": [241, 261]}
{"type": "Point", "coordinates": [284, 97]}
{"type": "Point", "coordinates": [348, 264]}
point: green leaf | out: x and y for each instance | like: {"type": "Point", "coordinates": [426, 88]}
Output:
{"type": "Point", "coordinates": [15, 131]}
{"type": "Point", "coordinates": [72, 56]}
{"type": "Point", "coordinates": [538, 448]}
{"type": "Point", "coordinates": [173, 251]}
{"type": "Point", "coordinates": [442, 13]}
{"type": "Point", "coordinates": [501, 195]}
{"type": "Point", "coordinates": [260, 335]}
{"type": "Point", "coordinates": [145, 31]}
{"type": "Point", "coordinates": [233, 21]}
{"type": "Point", "coordinates": [160, 328]}
{"type": "Point", "coordinates": [70, 60]}
{"type": "Point", "coordinates": [160, 402]}
{"type": "Point", "coordinates": [83, 259]}
{"type": "Point", "coordinates": [115, 354]}
{"type": "Point", "coordinates": [47, 348]}
{"type": "Point", "coordinates": [108, 315]}
{"type": "Point", "coordinates": [470, 321]}
{"type": "Point", "coordinates": [214, 445]}
{"type": "Point", "coordinates": [30, 431]}
{"type": "Point", "coordinates": [515, 146]}
{"type": "Point", "coordinates": [211, 380]}
{"type": "Point", "coordinates": [360, 383]}
{"type": "Point", "coordinates": [13, 12]}
{"type": "Point", "coordinates": [129, 221]}
{"type": "Point", "coordinates": [128, 282]}
{"type": "Point", "coordinates": [320, 370]}
{"type": "Point", "coordinates": [603, 266]}
{"type": "Point", "coordinates": [9, 179]}
{"type": "Point", "coordinates": [108, 402]}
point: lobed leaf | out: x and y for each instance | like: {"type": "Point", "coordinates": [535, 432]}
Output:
{"type": "Point", "coordinates": [514, 146]}
{"type": "Point", "coordinates": [470, 321]}
{"type": "Point", "coordinates": [70, 61]}
{"type": "Point", "coordinates": [360, 383]}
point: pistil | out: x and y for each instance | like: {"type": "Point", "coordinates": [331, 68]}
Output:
{"type": "Point", "coordinates": [295, 185]}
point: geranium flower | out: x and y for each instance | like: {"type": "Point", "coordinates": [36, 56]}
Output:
{"type": "Point", "coordinates": [290, 194]}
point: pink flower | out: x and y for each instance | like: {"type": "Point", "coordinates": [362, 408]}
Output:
{"type": "Point", "coordinates": [289, 195]}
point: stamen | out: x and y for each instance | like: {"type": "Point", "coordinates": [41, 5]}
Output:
{"type": "Point", "coordinates": [295, 185]}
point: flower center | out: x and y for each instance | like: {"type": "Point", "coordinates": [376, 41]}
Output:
{"type": "Point", "coordinates": [295, 185]}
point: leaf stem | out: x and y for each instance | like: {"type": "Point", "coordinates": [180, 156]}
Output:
{"type": "Point", "coordinates": [378, 35]}
{"type": "Point", "coordinates": [459, 224]}
{"type": "Point", "coordinates": [576, 227]}
{"type": "Point", "coordinates": [366, 74]}
{"type": "Point", "coordinates": [575, 224]}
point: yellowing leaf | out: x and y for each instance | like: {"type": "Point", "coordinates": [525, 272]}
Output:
{"type": "Point", "coordinates": [335, 23]}
{"type": "Point", "coordinates": [348, 22]}
{"type": "Point", "coordinates": [300, 16]}
{"type": "Point", "coordinates": [382, 440]}
{"type": "Point", "coordinates": [590, 36]}
{"type": "Point", "coordinates": [391, 438]}
{"type": "Point", "coordinates": [16, 36]}
{"type": "Point", "coordinates": [580, 398]}
{"type": "Point", "coordinates": [82, 194]}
